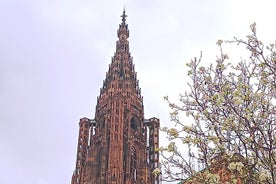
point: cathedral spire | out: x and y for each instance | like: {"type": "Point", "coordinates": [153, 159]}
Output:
{"type": "Point", "coordinates": [121, 76]}
{"type": "Point", "coordinates": [118, 145]}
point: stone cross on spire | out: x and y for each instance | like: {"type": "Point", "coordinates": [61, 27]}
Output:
{"type": "Point", "coordinates": [124, 16]}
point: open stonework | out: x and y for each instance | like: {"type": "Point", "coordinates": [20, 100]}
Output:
{"type": "Point", "coordinates": [119, 145]}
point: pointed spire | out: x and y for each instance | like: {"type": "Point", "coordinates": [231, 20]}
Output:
{"type": "Point", "coordinates": [121, 70]}
{"type": "Point", "coordinates": [123, 28]}
{"type": "Point", "coordinates": [124, 16]}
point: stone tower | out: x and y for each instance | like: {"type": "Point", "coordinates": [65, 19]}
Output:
{"type": "Point", "coordinates": [118, 146]}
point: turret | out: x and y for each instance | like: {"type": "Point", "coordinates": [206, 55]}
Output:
{"type": "Point", "coordinates": [83, 142]}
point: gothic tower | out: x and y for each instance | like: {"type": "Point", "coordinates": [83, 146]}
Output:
{"type": "Point", "coordinates": [118, 146]}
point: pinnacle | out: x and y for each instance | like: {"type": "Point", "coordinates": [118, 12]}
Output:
{"type": "Point", "coordinates": [124, 16]}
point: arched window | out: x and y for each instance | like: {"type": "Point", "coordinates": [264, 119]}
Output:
{"type": "Point", "coordinates": [134, 123]}
{"type": "Point", "coordinates": [133, 164]}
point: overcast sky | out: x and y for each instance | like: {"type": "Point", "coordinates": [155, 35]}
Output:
{"type": "Point", "coordinates": [54, 55]}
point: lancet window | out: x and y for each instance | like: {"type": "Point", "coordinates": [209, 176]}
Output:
{"type": "Point", "coordinates": [133, 164]}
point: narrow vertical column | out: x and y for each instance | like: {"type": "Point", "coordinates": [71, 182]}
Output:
{"type": "Point", "coordinates": [153, 125]}
{"type": "Point", "coordinates": [84, 127]}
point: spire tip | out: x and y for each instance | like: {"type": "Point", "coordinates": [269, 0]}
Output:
{"type": "Point", "coordinates": [124, 15]}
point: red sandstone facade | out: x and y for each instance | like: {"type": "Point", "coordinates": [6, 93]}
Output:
{"type": "Point", "coordinates": [220, 167]}
{"type": "Point", "coordinates": [118, 146]}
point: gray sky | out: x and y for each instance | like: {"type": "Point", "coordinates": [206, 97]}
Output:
{"type": "Point", "coordinates": [54, 55]}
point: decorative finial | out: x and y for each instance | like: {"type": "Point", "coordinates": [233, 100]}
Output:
{"type": "Point", "coordinates": [124, 16]}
